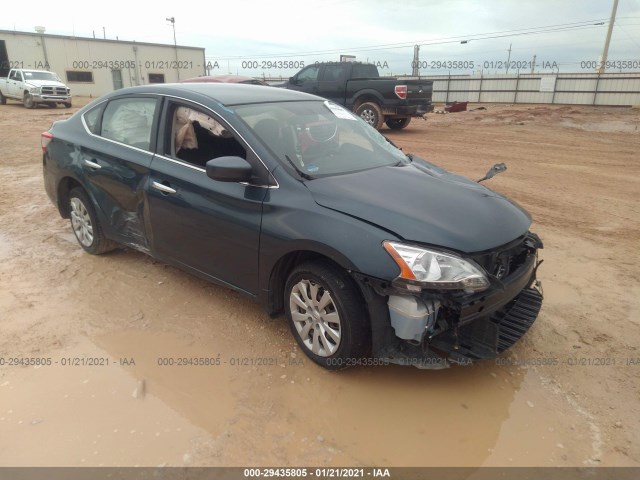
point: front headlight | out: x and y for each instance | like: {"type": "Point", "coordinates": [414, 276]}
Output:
{"type": "Point", "coordinates": [437, 270]}
{"type": "Point", "coordinates": [34, 90]}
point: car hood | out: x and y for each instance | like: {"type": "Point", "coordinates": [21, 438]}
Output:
{"type": "Point", "coordinates": [423, 203]}
{"type": "Point", "coordinates": [43, 83]}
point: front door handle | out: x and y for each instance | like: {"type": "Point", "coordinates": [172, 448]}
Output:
{"type": "Point", "coordinates": [163, 188]}
{"type": "Point", "coordinates": [92, 164]}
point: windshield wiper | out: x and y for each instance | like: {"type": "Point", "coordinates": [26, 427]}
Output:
{"type": "Point", "coordinates": [389, 140]}
{"type": "Point", "coordinates": [300, 172]}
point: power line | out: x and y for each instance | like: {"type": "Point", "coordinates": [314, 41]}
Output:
{"type": "Point", "coordinates": [445, 40]}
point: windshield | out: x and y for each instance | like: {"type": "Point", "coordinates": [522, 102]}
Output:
{"type": "Point", "coordinates": [319, 138]}
{"type": "Point", "coordinates": [39, 76]}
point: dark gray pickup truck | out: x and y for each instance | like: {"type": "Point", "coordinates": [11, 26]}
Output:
{"type": "Point", "coordinates": [359, 87]}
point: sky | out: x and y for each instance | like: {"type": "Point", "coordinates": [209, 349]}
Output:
{"type": "Point", "coordinates": [275, 38]}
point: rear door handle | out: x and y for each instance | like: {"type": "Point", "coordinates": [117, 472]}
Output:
{"type": "Point", "coordinates": [92, 164]}
{"type": "Point", "coordinates": [163, 188]}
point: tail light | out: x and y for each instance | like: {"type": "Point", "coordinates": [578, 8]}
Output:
{"type": "Point", "coordinates": [401, 91]}
{"type": "Point", "coordinates": [45, 140]}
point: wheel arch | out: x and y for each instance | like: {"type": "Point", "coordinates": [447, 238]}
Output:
{"type": "Point", "coordinates": [65, 185]}
{"type": "Point", "coordinates": [364, 96]}
{"type": "Point", "coordinates": [285, 264]}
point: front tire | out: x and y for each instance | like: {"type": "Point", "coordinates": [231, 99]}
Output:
{"type": "Point", "coordinates": [398, 123]}
{"type": "Point", "coordinates": [85, 225]}
{"type": "Point", "coordinates": [27, 101]}
{"type": "Point", "coordinates": [67, 104]}
{"type": "Point", "coordinates": [3, 99]}
{"type": "Point", "coordinates": [371, 113]}
{"type": "Point", "coordinates": [326, 315]}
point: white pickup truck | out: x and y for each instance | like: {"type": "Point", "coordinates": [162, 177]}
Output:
{"type": "Point", "coordinates": [32, 87]}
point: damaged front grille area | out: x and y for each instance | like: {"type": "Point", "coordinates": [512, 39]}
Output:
{"type": "Point", "coordinates": [462, 327]}
{"type": "Point", "coordinates": [503, 262]}
{"type": "Point", "coordinates": [514, 321]}
{"type": "Point", "coordinates": [472, 335]}
{"type": "Point", "coordinates": [487, 337]}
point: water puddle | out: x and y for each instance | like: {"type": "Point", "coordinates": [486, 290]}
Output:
{"type": "Point", "coordinates": [167, 398]}
{"type": "Point", "coordinates": [288, 411]}
{"type": "Point", "coordinates": [70, 414]}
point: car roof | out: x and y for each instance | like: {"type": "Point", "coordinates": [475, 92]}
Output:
{"type": "Point", "coordinates": [225, 93]}
{"type": "Point", "coordinates": [218, 79]}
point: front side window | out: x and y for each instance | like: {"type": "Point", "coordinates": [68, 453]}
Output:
{"type": "Point", "coordinates": [319, 138]}
{"type": "Point", "coordinates": [309, 74]}
{"type": "Point", "coordinates": [197, 137]}
{"type": "Point", "coordinates": [129, 121]}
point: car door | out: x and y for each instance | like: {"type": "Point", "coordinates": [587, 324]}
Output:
{"type": "Point", "coordinates": [115, 161]}
{"type": "Point", "coordinates": [306, 80]}
{"type": "Point", "coordinates": [211, 227]}
{"type": "Point", "coordinates": [14, 85]}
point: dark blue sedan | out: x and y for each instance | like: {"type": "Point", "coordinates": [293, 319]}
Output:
{"type": "Point", "coordinates": [374, 256]}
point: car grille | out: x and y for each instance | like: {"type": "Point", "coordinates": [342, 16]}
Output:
{"type": "Point", "coordinates": [487, 337]}
{"type": "Point", "coordinates": [54, 91]}
{"type": "Point", "coordinates": [505, 262]}
{"type": "Point", "coordinates": [514, 321]}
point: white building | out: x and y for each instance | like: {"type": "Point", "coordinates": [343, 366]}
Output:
{"type": "Point", "coordinates": [95, 66]}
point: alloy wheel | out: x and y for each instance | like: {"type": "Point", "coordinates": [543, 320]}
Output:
{"type": "Point", "coordinates": [81, 222]}
{"type": "Point", "coordinates": [315, 317]}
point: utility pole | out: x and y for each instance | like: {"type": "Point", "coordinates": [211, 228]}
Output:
{"type": "Point", "coordinates": [172, 20]}
{"type": "Point", "coordinates": [605, 50]}
{"type": "Point", "coordinates": [415, 68]}
{"type": "Point", "coordinates": [533, 64]}
{"type": "Point", "coordinates": [509, 58]}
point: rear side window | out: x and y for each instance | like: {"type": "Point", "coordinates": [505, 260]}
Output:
{"type": "Point", "coordinates": [365, 71]}
{"type": "Point", "coordinates": [92, 119]}
{"type": "Point", "coordinates": [331, 73]}
{"type": "Point", "coordinates": [129, 121]}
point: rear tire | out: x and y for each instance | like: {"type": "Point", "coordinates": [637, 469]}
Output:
{"type": "Point", "coordinates": [371, 113]}
{"type": "Point", "coordinates": [85, 225]}
{"type": "Point", "coordinates": [398, 123]}
{"type": "Point", "coordinates": [326, 315]}
{"type": "Point", "coordinates": [51, 104]}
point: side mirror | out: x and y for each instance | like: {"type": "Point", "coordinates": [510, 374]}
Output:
{"type": "Point", "coordinates": [493, 171]}
{"type": "Point", "coordinates": [292, 80]}
{"type": "Point", "coordinates": [229, 169]}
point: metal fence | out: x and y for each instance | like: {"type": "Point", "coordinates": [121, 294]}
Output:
{"type": "Point", "coordinates": [618, 89]}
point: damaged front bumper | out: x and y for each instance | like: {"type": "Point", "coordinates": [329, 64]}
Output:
{"type": "Point", "coordinates": [434, 329]}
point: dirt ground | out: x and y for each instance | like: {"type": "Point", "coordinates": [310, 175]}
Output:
{"type": "Point", "coordinates": [566, 395]}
